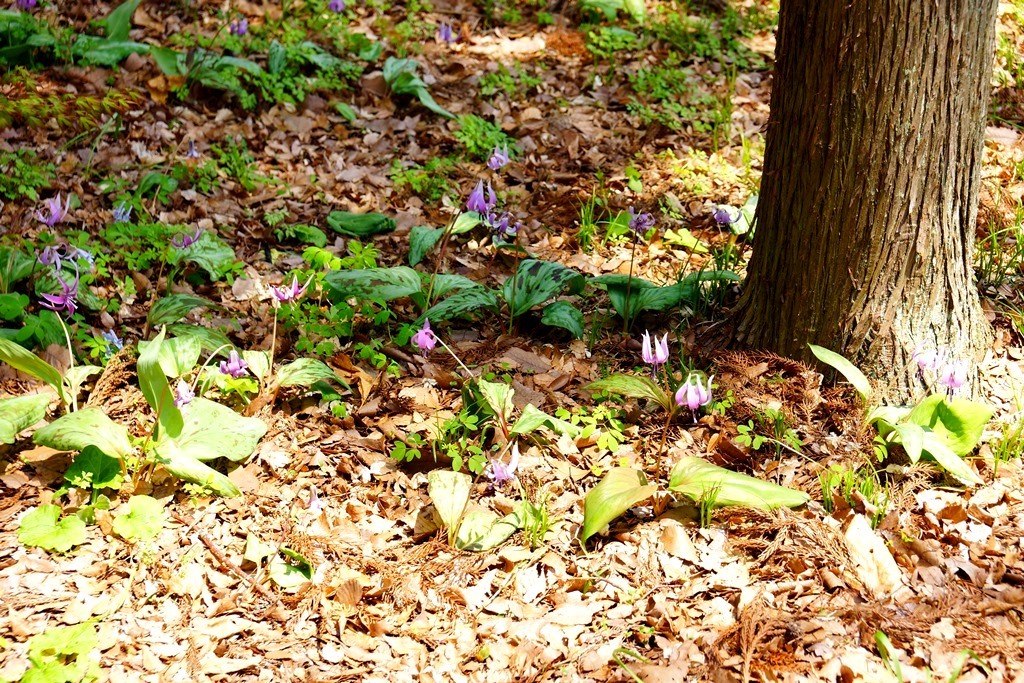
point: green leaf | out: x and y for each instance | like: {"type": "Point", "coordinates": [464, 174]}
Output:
{"type": "Point", "coordinates": [621, 489]}
{"type": "Point", "coordinates": [142, 520]}
{"type": "Point", "coordinates": [169, 61]}
{"type": "Point", "coordinates": [563, 314]}
{"type": "Point", "coordinates": [22, 359]}
{"type": "Point", "coordinates": [157, 389]}
{"type": "Point", "coordinates": [307, 234]}
{"type": "Point", "coordinates": [305, 371]}
{"type": "Point", "coordinates": [373, 284]}
{"type": "Point", "coordinates": [449, 491]}
{"type": "Point", "coordinates": [93, 469]}
{"type": "Point", "coordinates": [959, 423]}
{"type": "Point", "coordinates": [105, 52]}
{"type": "Point", "coordinates": [65, 646]}
{"type": "Point", "coordinates": [88, 427]}
{"type": "Point", "coordinates": [685, 239]}
{"type": "Point", "coordinates": [694, 478]}
{"type": "Point", "coordinates": [174, 307]}
{"type": "Point", "coordinates": [428, 101]}
{"type": "Point", "coordinates": [209, 252]}
{"type": "Point", "coordinates": [178, 355]}
{"type": "Point", "coordinates": [211, 430]}
{"type": "Point", "coordinates": [746, 222]}
{"type": "Point", "coordinates": [192, 470]}
{"type": "Point", "coordinates": [845, 368]}
{"type": "Point", "coordinates": [256, 550]}
{"type": "Point", "coordinates": [461, 304]}
{"type": "Point", "coordinates": [76, 376]}
{"type": "Point", "coordinates": [259, 363]}
{"type": "Point", "coordinates": [536, 282]}
{"type": "Point", "coordinates": [421, 240]}
{"type": "Point", "coordinates": [119, 22]}
{"type": "Point", "coordinates": [912, 437]}
{"type": "Point", "coordinates": [359, 224]}
{"type": "Point", "coordinates": [499, 397]}
{"type": "Point", "coordinates": [633, 387]}
{"type": "Point", "coordinates": [290, 571]}
{"type": "Point", "coordinates": [209, 340]}
{"type": "Point", "coordinates": [635, 295]}
{"type": "Point", "coordinates": [20, 413]}
{"type": "Point", "coordinates": [445, 283]}
{"type": "Point", "coordinates": [40, 528]}
{"type": "Point", "coordinates": [532, 419]}
{"type": "Point", "coordinates": [936, 447]}
{"type": "Point", "coordinates": [12, 305]}
{"type": "Point", "coordinates": [636, 9]}
{"type": "Point", "coordinates": [482, 529]}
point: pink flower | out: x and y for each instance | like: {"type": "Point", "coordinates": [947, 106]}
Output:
{"type": "Point", "coordinates": [290, 292]}
{"type": "Point", "coordinates": [57, 213]}
{"type": "Point", "coordinates": [927, 358]}
{"type": "Point", "coordinates": [424, 340]}
{"type": "Point", "coordinates": [953, 375]}
{"type": "Point", "coordinates": [184, 394]}
{"type": "Point", "coordinates": [659, 354]}
{"type": "Point", "coordinates": [693, 394]}
{"type": "Point", "coordinates": [499, 472]}
{"type": "Point", "coordinates": [234, 365]}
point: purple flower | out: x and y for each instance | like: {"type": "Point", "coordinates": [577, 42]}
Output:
{"type": "Point", "coordinates": [640, 223]}
{"type": "Point", "coordinates": [239, 27]}
{"type": "Point", "coordinates": [80, 254]}
{"type": "Point", "coordinates": [234, 365]}
{"type": "Point", "coordinates": [57, 212]}
{"type": "Point", "coordinates": [656, 356]}
{"type": "Point", "coordinates": [25, 4]}
{"type": "Point", "coordinates": [185, 240]}
{"type": "Point", "coordinates": [446, 34]}
{"type": "Point", "coordinates": [725, 215]}
{"type": "Point", "coordinates": [290, 292]}
{"type": "Point", "coordinates": [502, 226]}
{"type": "Point", "coordinates": [336, 5]}
{"type": "Point", "coordinates": [927, 358]}
{"type": "Point", "coordinates": [65, 301]}
{"type": "Point", "coordinates": [953, 375]}
{"type": "Point", "coordinates": [424, 340]}
{"type": "Point", "coordinates": [693, 394]}
{"type": "Point", "coordinates": [51, 256]}
{"type": "Point", "coordinates": [499, 158]}
{"type": "Point", "coordinates": [480, 202]}
{"type": "Point", "coordinates": [111, 337]}
{"type": "Point", "coordinates": [500, 473]}
{"type": "Point", "coordinates": [184, 393]}
{"type": "Point", "coordinates": [192, 153]}
{"type": "Point", "coordinates": [122, 212]}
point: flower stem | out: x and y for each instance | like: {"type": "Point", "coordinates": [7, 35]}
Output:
{"type": "Point", "coordinates": [629, 284]}
{"type": "Point", "coordinates": [660, 502]}
{"type": "Point", "coordinates": [71, 361]}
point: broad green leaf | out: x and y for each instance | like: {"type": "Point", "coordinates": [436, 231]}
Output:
{"type": "Point", "coordinates": [119, 22]}
{"type": "Point", "coordinates": [22, 359]}
{"type": "Point", "coordinates": [428, 101]}
{"type": "Point", "coordinates": [105, 52]}
{"type": "Point", "coordinates": [607, 7]}
{"type": "Point", "coordinates": [209, 340]}
{"type": "Point", "coordinates": [90, 426]}
{"type": "Point", "coordinates": [142, 519]}
{"type": "Point", "coordinates": [621, 489]}
{"type": "Point", "coordinates": [304, 372]}
{"type": "Point", "coordinates": [373, 284]}
{"type": "Point", "coordinates": [746, 222]}
{"type": "Point", "coordinates": [632, 386]}
{"type": "Point", "coordinates": [845, 368]}
{"type": "Point", "coordinates": [912, 437]}
{"type": "Point", "coordinates": [499, 397]}
{"type": "Point", "coordinates": [173, 307]}
{"type": "Point", "coordinates": [532, 419]}
{"type": "Point", "coordinates": [256, 550]}
{"type": "Point", "coordinates": [535, 282]}
{"type": "Point", "coordinates": [157, 389]}
{"type": "Point", "coordinates": [20, 413]}
{"type": "Point", "coordinates": [631, 296]}
{"type": "Point", "coordinates": [959, 422]}
{"type": "Point", "coordinates": [306, 234]}
{"type": "Point", "coordinates": [178, 355]}
{"type": "Point", "coordinates": [259, 362]}
{"type": "Point", "coordinates": [449, 491]}
{"type": "Point", "coordinates": [445, 283]}
{"type": "Point", "coordinates": [482, 529]}
{"type": "Point", "coordinates": [359, 224]}
{"type": "Point", "coordinates": [209, 252]}
{"type": "Point", "coordinates": [40, 528]}
{"type": "Point", "coordinates": [694, 478]}
{"type": "Point", "coordinates": [64, 645]}
{"type": "Point", "coordinates": [637, 9]}
{"type": "Point", "coordinates": [935, 446]}
{"type": "Point", "coordinates": [462, 304]}
{"type": "Point", "coordinates": [75, 377]}
{"type": "Point", "coordinates": [16, 266]}
{"type": "Point", "coordinates": [421, 240]}
{"type": "Point", "coordinates": [189, 469]}
{"type": "Point", "coordinates": [290, 570]}
{"type": "Point", "coordinates": [685, 239]}
{"type": "Point", "coordinates": [12, 305]}
{"type": "Point", "coordinates": [170, 62]}
{"type": "Point", "coordinates": [211, 430]}
{"type": "Point", "coordinates": [564, 315]}
{"type": "Point", "coordinates": [466, 221]}
{"type": "Point", "coordinates": [94, 469]}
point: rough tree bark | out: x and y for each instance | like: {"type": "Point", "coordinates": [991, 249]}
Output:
{"type": "Point", "coordinates": [866, 219]}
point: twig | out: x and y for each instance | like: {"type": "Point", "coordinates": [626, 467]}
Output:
{"type": "Point", "coordinates": [225, 562]}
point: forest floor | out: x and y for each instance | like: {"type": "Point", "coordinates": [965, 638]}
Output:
{"type": "Point", "coordinates": [331, 564]}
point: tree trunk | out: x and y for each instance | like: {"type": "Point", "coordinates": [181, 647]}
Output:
{"type": "Point", "coordinates": [866, 219]}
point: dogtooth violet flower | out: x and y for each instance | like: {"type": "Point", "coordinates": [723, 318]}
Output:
{"type": "Point", "coordinates": [25, 4]}
{"type": "Point", "coordinates": [185, 240]}
{"type": "Point", "coordinates": [57, 213]}
{"type": "Point", "coordinates": [499, 158]}
{"type": "Point", "coordinates": [111, 337]}
{"type": "Point", "coordinates": [953, 375]}
{"type": "Point", "coordinates": [336, 5]}
{"type": "Point", "coordinates": [656, 355]}
{"type": "Point", "coordinates": [239, 27]}
{"type": "Point", "coordinates": [725, 215]}
{"type": "Point", "coordinates": [446, 34]}
{"type": "Point", "coordinates": [192, 152]}
{"type": "Point", "coordinates": [424, 340]}
{"type": "Point", "coordinates": [290, 292]}
{"type": "Point", "coordinates": [234, 365]}
{"type": "Point", "coordinates": [500, 473]}
{"type": "Point", "coordinates": [122, 212]}
{"type": "Point", "coordinates": [502, 226]}
{"type": "Point", "coordinates": [64, 302]}
{"type": "Point", "coordinates": [693, 394]}
{"type": "Point", "coordinates": [640, 223]}
{"type": "Point", "coordinates": [51, 256]}
{"type": "Point", "coordinates": [480, 202]}
{"type": "Point", "coordinates": [183, 394]}
{"type": "Point", "coordinates": [927, 358]}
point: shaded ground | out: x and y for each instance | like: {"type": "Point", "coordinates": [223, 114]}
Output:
{"type": "Point", "coordinates": [787, 595]}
